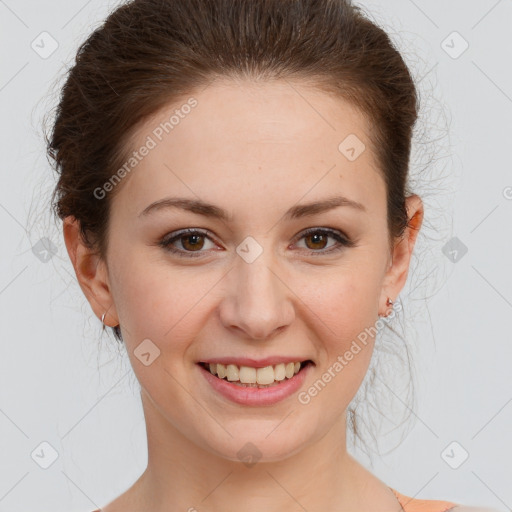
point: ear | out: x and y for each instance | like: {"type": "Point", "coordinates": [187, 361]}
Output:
{"type": "Point", "coordinates": [398, 269]}
{"type": "Point", "coordinates": [91, 272]}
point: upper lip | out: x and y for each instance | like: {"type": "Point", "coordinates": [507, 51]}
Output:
{"type": "Point", "coordinates": [255, 363]}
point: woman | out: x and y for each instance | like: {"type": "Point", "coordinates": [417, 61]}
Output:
{"type": "Point", "coordinates": [233, 188]}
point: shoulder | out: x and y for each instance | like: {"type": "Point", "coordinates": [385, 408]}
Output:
{"type": "Point", "coordinates": [464, 508]}
{"type": "Point", "coordinates": [409, 504]}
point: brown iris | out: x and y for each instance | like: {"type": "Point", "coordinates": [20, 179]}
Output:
{"type": "Point", "coordinates": [324, 238]}
{"type": "Point", "coordinates": [194, 244]}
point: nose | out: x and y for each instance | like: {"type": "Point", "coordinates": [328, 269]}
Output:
{"type": "Point", "coordinates": [258, 302]}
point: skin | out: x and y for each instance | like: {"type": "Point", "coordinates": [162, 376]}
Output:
{"type": "Point", "coordinates": [254, 149]}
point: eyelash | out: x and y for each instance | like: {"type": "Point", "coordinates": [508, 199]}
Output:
{"type": "Point", "coordinates": [344, 242]}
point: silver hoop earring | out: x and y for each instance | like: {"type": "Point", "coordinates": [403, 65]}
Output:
{"type": "Point", "coordinates": [103, 321]}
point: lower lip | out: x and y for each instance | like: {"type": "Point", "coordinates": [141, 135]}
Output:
{"type": "Point", "coordinates": [256, 396]}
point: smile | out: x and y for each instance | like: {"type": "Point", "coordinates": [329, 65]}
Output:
{"type": "Point", "coordinates": [252, 386]}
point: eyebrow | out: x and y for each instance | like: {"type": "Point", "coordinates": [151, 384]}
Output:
{"type": "Point", "coordinates": [210, 210]}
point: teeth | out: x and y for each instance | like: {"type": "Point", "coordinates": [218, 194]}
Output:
{"type": "Point", "coordinates": [249, 375]}
{"type": "Point", "coordinates": [221, 371]}
{"type": "Point", "coordinates": [232, 372]}
{"type": "Point", "coordinates": [289, 370]}
{"type": "Point", "coordinates": [279, 372]}
{"type": "Point", "coordinates": [265, 375]}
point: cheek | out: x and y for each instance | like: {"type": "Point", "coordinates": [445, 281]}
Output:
{"type": "Point", "coordinates": [152, 300]}
{"type": "Point", "coordinates": [345, 346]}
{"type": "Point", "coordinates": [346, 314]}
{"type": "Point", "coordinates": [347, 303]}
{"type": "Point", "coordinates": [168, 306]}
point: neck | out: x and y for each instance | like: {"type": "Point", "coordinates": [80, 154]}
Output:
{"type": "Point", "coordinates": [181, 475]}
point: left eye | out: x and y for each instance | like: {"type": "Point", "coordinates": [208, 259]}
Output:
{"type": "Point", "coordinates": [193, 240]}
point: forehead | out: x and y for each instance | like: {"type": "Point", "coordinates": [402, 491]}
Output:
{"type": "Point", "coordinates": [279, 140]}
{"type": "Point", "coordinates": [264, 113]}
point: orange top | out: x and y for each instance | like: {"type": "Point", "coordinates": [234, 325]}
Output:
{"type": "Point", "coordinates": [414, 505]}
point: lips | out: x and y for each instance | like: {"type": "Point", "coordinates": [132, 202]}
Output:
{"type": "Point", "coordinates": [255, 394]}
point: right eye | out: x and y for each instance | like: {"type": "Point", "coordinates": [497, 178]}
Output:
{"type": "Point", "coordinates": [192, 241]}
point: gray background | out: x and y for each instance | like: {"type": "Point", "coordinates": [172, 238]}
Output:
{"type": "Point", "coordinates": [62, 382]}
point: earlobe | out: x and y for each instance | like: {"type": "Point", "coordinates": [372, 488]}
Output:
{"type": "Point", "coordinates": [91, 272]}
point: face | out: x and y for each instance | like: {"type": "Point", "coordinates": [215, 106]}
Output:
{"type": "Point", "coordinates": [269, 279]}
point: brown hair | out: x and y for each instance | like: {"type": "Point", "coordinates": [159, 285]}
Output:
{"type": "Point", "coordinates": [149, 53]}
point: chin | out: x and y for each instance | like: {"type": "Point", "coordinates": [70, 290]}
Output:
{"type": "Point", "coordinates": [261, 443]}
